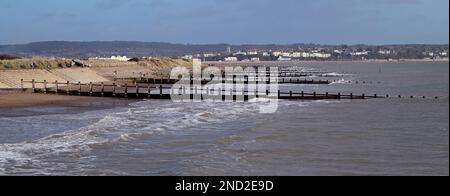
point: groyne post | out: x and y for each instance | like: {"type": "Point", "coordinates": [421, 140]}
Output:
{"type": "Point", "coordinates": [67, 87]}
{"type": "Point", "coordinates": [103, 89]}
{"type": "Point", "coordinates": [90, 88]}
{"type": "Point", "coordinates": [79, 88]}
{"type": "Point", "coordinates": [126, 90]}
{"type": "Point", "coordinates": [114, 89]}
{"type": "Point", "coordinates": [56, 86]}
{"type": "Point", "coordinates": [45, 86]}
{"type": "Point", "coordinates": [33, 85]}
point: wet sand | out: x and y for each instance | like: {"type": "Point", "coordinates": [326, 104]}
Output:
{"type": "Point", "coordinates": [13, 100]}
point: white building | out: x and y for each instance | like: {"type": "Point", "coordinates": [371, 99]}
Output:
{"type": "Point", "coordinates": [240, 53]}
{"type": "Point", "coordinates": [255, 59]}
{"type": "Point", "coordinates": [266, 54]}
{"type": "Point", "coordinates": [296, 54]}
{"type": "Point", "coordinates": [208, 55]}
{"type": "Point", "coordinates": [363, 53]}
{"type": "Point", "coordinates": [384, 52]}
{"type": "Point", "coordinates": [277, 53]}
{"type": "Point", "coordinates": [231, 59]}
{"type": "Point", "coordinates": [252, 53]}
{"type": "Point", "coordinates": [189, 57]}
{"type": "Point", "coordinates": [284, 59]}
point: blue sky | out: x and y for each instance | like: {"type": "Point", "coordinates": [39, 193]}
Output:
{"type": "Point", "coordinates": [227, 21]}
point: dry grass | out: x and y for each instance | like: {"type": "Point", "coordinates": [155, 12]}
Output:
{"type": "Point", "coordinates": [40, 62]}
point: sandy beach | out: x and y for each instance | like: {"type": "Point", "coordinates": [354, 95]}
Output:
{"type": "Point", "coordinates": [9, 100]}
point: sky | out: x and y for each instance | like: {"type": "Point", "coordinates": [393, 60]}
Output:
{"type": "Point", "coordinates": [374, 22]}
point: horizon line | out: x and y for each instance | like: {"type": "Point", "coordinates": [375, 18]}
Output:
{"type": "Point", "coordinates": [218, 43]}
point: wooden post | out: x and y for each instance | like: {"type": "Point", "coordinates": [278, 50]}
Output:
{"type": "Point", "coordinates": [351, 95]}
{"type": "Point", "coordinates": [68, 87]}
{"type": "Point", "coordinates": [90, 89]}
{"type": "Point", "coordinates": [363, 96]}
{"type": "Point", "coordinates": [137, 90]}
{"type": "Point", "coordinates": [160, 91]}
{"type": "Point", "coordinates": [56, 86]}
{"type": "Point", "coordinates": [33, 85]}
{"type": "Point", "coordinates": [21, 84]}
{"type": "Point", "coordinates": [126, 90]}
{"type": "Point", "coordinates": [114, 89]}
{"type": "Point", "coordinates": [339, 95]}
{"type": "Point", "coordinates": [103, 89]}
{"type": "Point", "coordinates": [375, 96]}
{"type": "Point", "coordinates": [267, 92]}
{"type": "Point", "coordinates": [45, 86]}
{"type": "Point", "coordinates": [303, 94]}
{"type": "Point", "coordinates": [326, 95]}
{"type": "Point", "coordinates": [290, 94]}
{"type": "Point", "coordinates": [314, 94]}
{"type": "Point", "coordinates": [279, 94]}
{"type": "Point", "coordinates": [79, 88]}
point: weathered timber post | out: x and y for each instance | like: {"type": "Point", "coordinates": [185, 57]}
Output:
{"type": "Point", "coordinates": [290, 94]}
{"type": "Point", "coordinates": [33, 85]}
{"type": "Point", "coordinates": [90, 89]}
{"type": "Point", "coordinates": [103, 89]}
{"type": "Point", "coordinates": [114, 90]}
{"type": "Point", "coordinates": [68, 87]}
{"type": "Point", "coordinates": [314, 94]}
{"type": "Point", "coordinates": [363, 96]}
{"type": "Point", "coordinates": [326, 95]}
{"type": "Point", "coordinates": [21, 84]}
{"type": "Point", "coordinates": [137, 90]}
{"type": "Point", "coordinates": [160, 91]}
{"type": "Point", "coordinates": [339, 95]}
{"type": "Point", "coordinates": [56, 86]}
{"type": "Point", "coordinates": [79, 88]}
{"type": "Point", "coordinates": [126, 90]}
{"type": "Point", "coordinates": [351, 95]}
{"type": "Point", "coordinates": [303, 94]}
{"type": "Point", "coordinates": [45, 86]}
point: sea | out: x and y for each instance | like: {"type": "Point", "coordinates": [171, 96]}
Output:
{"type": "Point", "coordinates": [388, 136]}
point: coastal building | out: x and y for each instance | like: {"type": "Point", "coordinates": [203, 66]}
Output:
{"type": "Point", "coordinates": [363, 53]}
{"type": "Point", "coordinates": [252, 53]}
{"type": "Point", "coordinates": [255, 59]}
{"type": "Point", "coordinates": [277, 53]}
{"type": "Point", "coordinates": [284, 58]}
{"type": "Point", "coordinates": [189, 57]}
{"type": "Point", "coordinates": [384, 52]}
{"type": "Point", "coordinates": [116, 58]}
{"type": "Point", "coordinates": [231, 59]}
{"type": "Point", "coordinates": [240, 53]}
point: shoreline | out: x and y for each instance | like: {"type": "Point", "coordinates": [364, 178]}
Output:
{"type": "Point", "coordinates": [18, 100]}
{"type": "Point", "coordinates": [330, 61]}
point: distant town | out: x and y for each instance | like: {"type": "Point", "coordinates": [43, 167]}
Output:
{"type": "Point", "coordinates": [327, 53]}
{"type": "Point", "coordinates": [135, 51]}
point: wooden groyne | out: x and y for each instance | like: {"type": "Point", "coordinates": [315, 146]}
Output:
{"type": "Point", "coordinates": [234, 80]}
{"type": "Point", "coordinates": [159, 91]}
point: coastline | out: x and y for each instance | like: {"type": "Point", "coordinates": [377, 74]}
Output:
{"type": "Point", "coordinates": [327, 61]}
{"type": "Point", "coordinates": [17, 100]}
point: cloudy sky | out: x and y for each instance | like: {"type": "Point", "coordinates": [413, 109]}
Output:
{"type": "Point", "coordinates": [227, 21]}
